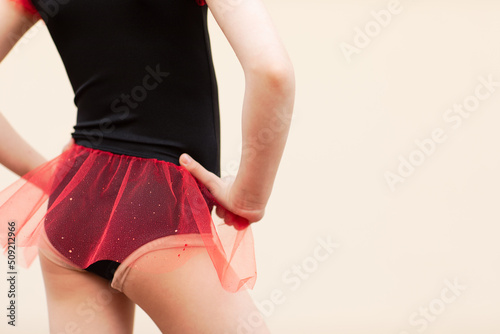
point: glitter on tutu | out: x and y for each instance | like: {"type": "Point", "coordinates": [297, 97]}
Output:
{"type": "Point", "coordinates": [95, 205]}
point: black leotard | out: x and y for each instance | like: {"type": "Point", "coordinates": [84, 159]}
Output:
{"type": "Point", "coordinates": [142, 74]}
{"type": "Point", "coordinates": [143, 79]}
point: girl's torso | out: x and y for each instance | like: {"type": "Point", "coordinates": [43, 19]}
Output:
{"type": "Point", "coordinates": [142, 74]}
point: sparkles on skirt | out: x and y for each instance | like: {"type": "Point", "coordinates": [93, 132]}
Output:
{"type": "Point", "coordinates": [92, 205]}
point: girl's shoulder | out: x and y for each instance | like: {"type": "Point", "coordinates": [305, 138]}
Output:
{"type": "Point", "coordinates": [27, 5]}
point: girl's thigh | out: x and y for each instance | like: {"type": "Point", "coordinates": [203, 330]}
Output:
{"type": "Point", "coordinates": [82, 302]}
{"type": "Point", "coordinates": [190, 299]}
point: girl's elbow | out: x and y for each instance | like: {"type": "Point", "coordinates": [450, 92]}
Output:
{"type": "Point", "coordinates": [277, 74]}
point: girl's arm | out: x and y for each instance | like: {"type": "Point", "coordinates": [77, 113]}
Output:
{"type": "Point", "coordinates": [267, 106]}
{"type": "Point", "coordinates": [15, 153]}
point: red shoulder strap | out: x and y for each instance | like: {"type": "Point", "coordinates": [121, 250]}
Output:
{"type": "Point", "coordinates": [201, 2]}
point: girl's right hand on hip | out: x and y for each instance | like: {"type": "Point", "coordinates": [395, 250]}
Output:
{"type": "Point", "coordinates": [233, 209]}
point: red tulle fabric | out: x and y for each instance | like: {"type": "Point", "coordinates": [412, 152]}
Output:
{"type": "Point", "coordinates": [95, 205]}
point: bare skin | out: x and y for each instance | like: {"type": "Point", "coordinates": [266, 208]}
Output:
{"type": "Point", "coordinates": [81, 302]}
{"type": "Point", "coordinates": [189, 299]}
{"type": "Point", "coordinates": [15, 153]}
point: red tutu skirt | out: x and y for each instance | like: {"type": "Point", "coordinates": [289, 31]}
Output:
{"type": "Point", "coordinates": [94, 205]}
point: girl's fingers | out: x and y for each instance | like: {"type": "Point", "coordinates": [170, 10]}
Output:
{"type": "Point", "coordinates": [238, 222]}
{"type": "Point", "coordinates": [217, 188]}
{"type": "Point", "coordinates": [220, 211]}
{"type": "Point", "coordinates": [209, 179]}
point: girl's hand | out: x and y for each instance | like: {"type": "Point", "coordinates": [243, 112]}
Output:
{"type": "Point", "coordinates": [233, 209]}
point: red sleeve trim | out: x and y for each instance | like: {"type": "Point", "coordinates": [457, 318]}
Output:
{"type": "Point", "coordinates": [27, 6]}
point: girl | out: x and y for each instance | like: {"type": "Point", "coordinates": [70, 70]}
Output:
{"type": "Point", "coordinates": [123, 213]}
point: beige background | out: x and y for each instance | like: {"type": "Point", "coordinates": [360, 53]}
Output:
{"type": "Point", "coordinates": [352, 122]}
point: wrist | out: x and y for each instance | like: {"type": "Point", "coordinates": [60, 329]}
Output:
{"type": "Point", "coordinates": [249, 200]}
